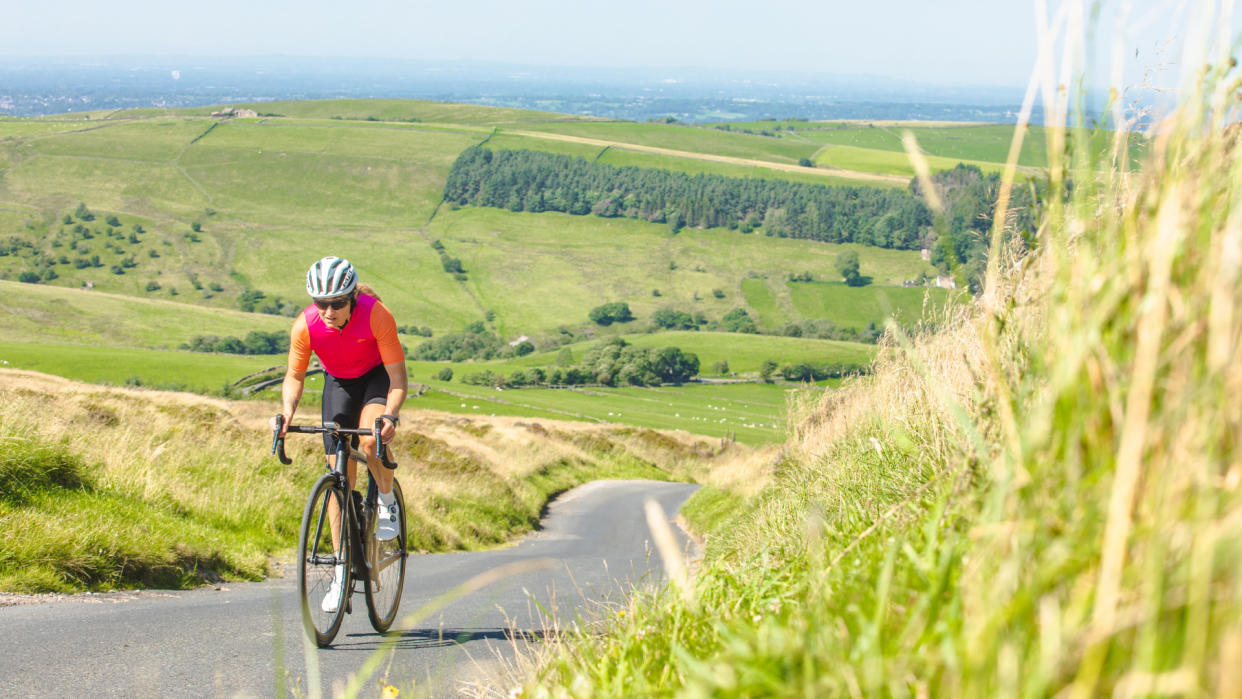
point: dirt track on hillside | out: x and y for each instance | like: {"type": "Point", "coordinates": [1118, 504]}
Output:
{"type": "Point", "coordinates": [747, 162]}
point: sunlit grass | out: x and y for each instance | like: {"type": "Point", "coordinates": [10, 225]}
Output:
{"type": "Point", "coordinates": [1040, 500]}
{"type": "Point", "coordinates": [112, 487]}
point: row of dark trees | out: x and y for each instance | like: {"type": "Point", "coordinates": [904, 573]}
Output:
{"type": "Point", "coordinates": [613, 363]}
{"type": "Point", "coordinates": [256, 342]}
{"type": "Point", "coordinates": [522, 180]}
{"type": "Point", "coordinates": [474, 342]}
{"type": "Point", "coordinates": [963, 231]}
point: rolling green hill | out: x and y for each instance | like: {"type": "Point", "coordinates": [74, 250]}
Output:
{"type": "Point", "coordinates": [269, 195]}
{"type": "Point", "coordinates": [172, 216]}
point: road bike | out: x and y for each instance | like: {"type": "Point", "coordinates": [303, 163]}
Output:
{"type": "Point", "coordinates": [349, 540]}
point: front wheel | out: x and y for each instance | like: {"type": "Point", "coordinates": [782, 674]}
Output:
{"type": "Point", "coordinates": [385, 564]}
{"type": "Point", "coordinates": [320, 549]}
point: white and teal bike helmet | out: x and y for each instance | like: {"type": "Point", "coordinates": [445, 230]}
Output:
{"type": "Point", "coordinates": [330, 277]}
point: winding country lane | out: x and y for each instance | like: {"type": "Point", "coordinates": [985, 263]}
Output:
{"type": "Point", "coordinates": [247, 640]}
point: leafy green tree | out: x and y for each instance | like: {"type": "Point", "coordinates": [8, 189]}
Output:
{"type": "Point", "coordinates": [523, 348]}
{"type": "Point", "coordinates": [671, 319]}
{"type": "Point", "coordinates": [609, 313]}
{"type": "Point", "coordinates": [82, 213]}
{"type": "Point", "coordinates": [676, 222]}
{"type": "Point", "coordinates": [847, 265]}
{"type": "Point", "coordinates": [738, 321]}
{"type": "Point", "coordinates": [766, 370]}
{"type": "Point", "coordinates": [445, 374]}
{"type": "Point", "coordinates": [250, 299]}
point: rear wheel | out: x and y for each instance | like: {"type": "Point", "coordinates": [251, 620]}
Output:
{"type": "Point", "coordinates": [385, 564]}
{"type": "Point", "coordinates": [323, 606]}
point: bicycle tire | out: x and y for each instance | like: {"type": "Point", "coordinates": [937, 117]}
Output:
{"type": "Point", "coordinates": [317, 561]}
{"type": "Point", "coordinates": [385, 564]}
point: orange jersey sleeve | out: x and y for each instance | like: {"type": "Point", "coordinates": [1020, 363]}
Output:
{"type": "Point", "coordinates": [299, 346]}
{"type": "Point", "coordinates": [384, 328]}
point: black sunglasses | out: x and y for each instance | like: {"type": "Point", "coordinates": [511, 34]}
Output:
{"type": "Point", "coordinates": [336, 305]}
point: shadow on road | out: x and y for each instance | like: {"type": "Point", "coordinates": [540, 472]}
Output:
{"type": "Point", "coordinates": [434, 638]}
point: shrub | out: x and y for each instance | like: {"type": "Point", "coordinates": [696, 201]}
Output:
{"type": "Point", "coordinates": [671, 319]}
{"type": "Point", "coordinates": [445, 374]}
{"type": "Point", "coordinates": [609, 313]}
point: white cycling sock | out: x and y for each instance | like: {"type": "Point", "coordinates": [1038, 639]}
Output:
{"type": "Point", "coordinates": [387, 498]}
{"type": "Point", "coordinates": [340, 572]}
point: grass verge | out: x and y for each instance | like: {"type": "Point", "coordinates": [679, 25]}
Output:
{"type": "Point", "coordinates": [1041, 499]}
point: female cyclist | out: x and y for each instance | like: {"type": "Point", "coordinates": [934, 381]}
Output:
{"type": "Point", "coordinates": [355, 338]}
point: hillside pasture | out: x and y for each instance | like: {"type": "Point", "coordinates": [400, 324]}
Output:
{"type": "Point", "coordinates": [317, 185]}
{"type": "Point", "coordinates": [45, 313]}
{"type": "Point", "coordinates": [685, 138]}
{"type": "Point", "coordinates": [394, 110]}
{"type": "Point", "coordinates": [773, 311]}
{"type": "Point", "coordinates": [621, 157]}
{"type": "Point", "coordinates": [752, 413]}
{"type": "Point", "coordinates": [25, 128]}
{"type": "Point", "coordinates": [887, 162]}
{"type": "Point", "coordinates": [756, 416]}
{"type": "Point", "coordinates": [175, 370]}
{"type": "Point", "coordinates": [856, 306]}
{"type": "Point", "coordinates": [150, 141]}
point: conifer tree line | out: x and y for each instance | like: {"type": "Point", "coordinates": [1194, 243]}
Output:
{"type": "Point", "coordinates": [524, 180]}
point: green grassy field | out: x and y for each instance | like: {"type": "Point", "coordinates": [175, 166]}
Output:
{"type": "Point", "coordinates": [686, 138]}
{"type": "Point", "coordinates": [392, 110]}
{"type": "Point", "coordinates": [45, 313]}
{"type": "Point", "coordinates": [621, 157]}
{"type": "Point", "coordinates": [888, 162]}
{"type": "Point", "coordinates": [565, 265]}
{"type": "Point", "coordinates": [268, 192]}
{"type": "Point", "coordinates": [772, 310]}
{"type": "Point", "coordinates": [752, 413]}
{"type": "Point", "coordinates": [757, 415]}
{"type": "Point", "coordinates": [854, 307]}
{"type": "Point", "coordinates": [187, 371]}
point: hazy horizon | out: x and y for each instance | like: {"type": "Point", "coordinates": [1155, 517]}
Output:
{"type": "Point", "coordinates": [957, 42]}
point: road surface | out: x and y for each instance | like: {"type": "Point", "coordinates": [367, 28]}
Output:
{"type": "Point", "coordinates": [246, 639]}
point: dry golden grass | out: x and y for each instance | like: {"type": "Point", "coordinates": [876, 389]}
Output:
{"type": "Point", "coordinates": [217, 499]}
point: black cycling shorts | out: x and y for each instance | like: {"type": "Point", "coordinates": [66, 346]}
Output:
{"type": "Point", "coordinates": [343, 400]}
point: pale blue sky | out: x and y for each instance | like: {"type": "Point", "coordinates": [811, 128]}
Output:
{"type": "Point", "coordinates": [960, 42]}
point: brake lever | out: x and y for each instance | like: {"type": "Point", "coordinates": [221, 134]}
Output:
{"type": "Point", "coordinates": [381, 449]}
{"type": "Point", "coordinates": [278, 442]}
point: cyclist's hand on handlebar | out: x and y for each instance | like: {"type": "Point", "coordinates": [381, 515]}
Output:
{"type": "Point", "coordinates": [284, 424]}
{"type": "Point", "coordinates": [387, 430]}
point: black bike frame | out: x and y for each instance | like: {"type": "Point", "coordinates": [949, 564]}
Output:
{"type": "Point", "coordinates": [356, 518]}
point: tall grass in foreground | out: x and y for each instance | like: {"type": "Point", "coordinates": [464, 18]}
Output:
{"type": "Point", "coordinates": [1043, 499]}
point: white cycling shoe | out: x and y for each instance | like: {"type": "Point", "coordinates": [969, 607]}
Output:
{"type": "Point", "coordinates": [332, 600]}
{"type": "Point", "coordinates": [386, 521]}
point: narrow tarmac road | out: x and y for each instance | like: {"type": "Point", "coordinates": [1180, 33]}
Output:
{"type": "Point", "coordinates": [247, 640]}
